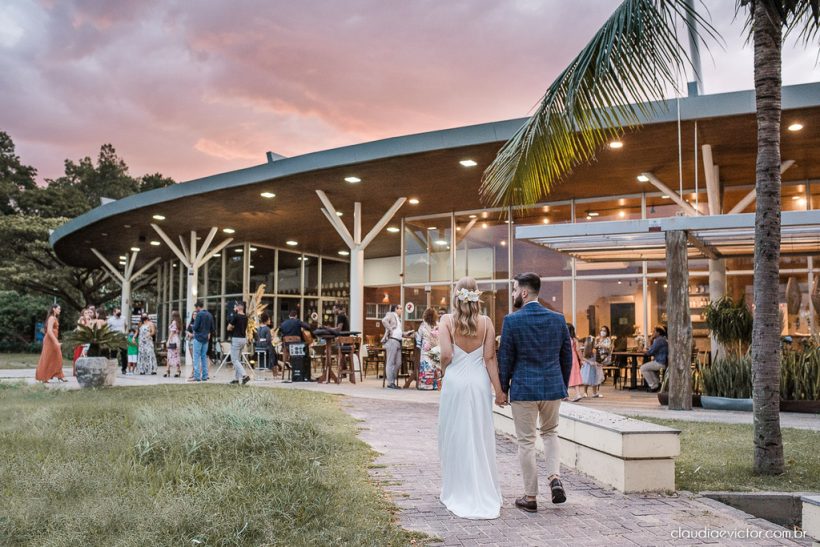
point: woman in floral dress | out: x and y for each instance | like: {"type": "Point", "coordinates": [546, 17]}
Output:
{"type": "Point", "coordinates": [174, 344]}
{"type": "Point", "coordinates": [428, 338]}
{"type": "Point", "coordinates": [146, 359]}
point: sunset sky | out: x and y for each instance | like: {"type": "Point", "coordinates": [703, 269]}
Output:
{"type": "Point", "coordinates": [195, 88]}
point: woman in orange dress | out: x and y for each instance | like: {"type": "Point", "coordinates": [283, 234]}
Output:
{"type": "Point", "coordinates": [51, 359]}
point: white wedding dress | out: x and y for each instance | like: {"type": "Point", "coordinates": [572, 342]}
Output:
{"type": "Point", "coordinates": [466, 438]}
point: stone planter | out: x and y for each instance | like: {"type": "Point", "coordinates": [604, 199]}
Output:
{"type": "Point", "coordinates": [725, 403]}
{"type": "Point", "coordinates": [807, 407]}
{"type": "Point", "coordinates": [663, 399]}
{"type": "Point", "coordinates": [96, 371]}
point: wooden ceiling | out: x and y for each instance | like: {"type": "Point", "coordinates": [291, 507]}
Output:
{"type": "Point", "coordinates": [440, 183]}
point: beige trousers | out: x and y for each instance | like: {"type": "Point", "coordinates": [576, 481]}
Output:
{"type": "Point", "coordinates": [525, 417]}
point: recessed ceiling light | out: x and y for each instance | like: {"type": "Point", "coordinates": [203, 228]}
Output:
{"type": "Point", "coordinates": [228, 230]}
{"type": "Point", "coordinates": [413, 201]}
{"type": "Point", "coordinates": [431, 227]}
{"type": "Point", "coordinates": [506, 222]}
{"type": "Point", "coordinates": [239, 250]}
{"type": "Point", "coordinates": [353, 180]}
{"type": "Point", "coordinates": [253, 249]}
{"type": "Point", "coordinates": [135, 249]}
{"type": "Point", "coordinates": [665, 196]}
{"type": "Point", "coordinates": [503, 243]}
{"type": "Point", "coordinates": [126, 225]}
{"type": "Point", "coordinates": [546, 208]}
{"type": "Point", "coordinates": [339, 213]}
{"type": "Point", "coordinates": [158, 217]}
{"type": "Point", "coordinates": [594, 213]}
{"type": "Point", "coordinates": [344, 253]}
{"type": "Point", "coordinates": [217, 254]}
{"type": "Point", "coordinates": [440, 242]}
{"type": "Point", "coordinates": [104, 234]}
{"type": "Point", "coordinates": [616, 145]}
{"type": "Point", "coordinates": [801, 201]}
{"type": "Point", "coordinates": [588, 217]}
{"type": "Point", "coordinates": [268, 195]}
{"type": "Point", "coordinates": [622, 214]}
{"type": "Point", "coordinates": [155, 243]}
{"type": "Point", "coordinates": [546, 221]}
{"type": "Point", "coordinates": [122, 262]}
{"type": "Point", "coordinates": [795, 198]}
{"type": "Point", "coordinates": [251, 266]}
{"type": "Point", "coordinates": [473, 216]}
{"type": "Point", "coordinates": [796, 127]}
{"type": "Point", "coordinates": [123, 257]}
{"type": "Point", "coordinates": [484, 225]}
{"type": "Point", "coordinates": [392, 229]}
{"type": "Point", "coordinates": [291, 243]}
{"type": "Point", "coordinates": [468, 163]}
{"type": "Point", "coordinates": [643, 178]}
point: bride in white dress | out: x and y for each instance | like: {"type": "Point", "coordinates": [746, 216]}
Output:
{"type": "Point", "coordinates": [466, 436]}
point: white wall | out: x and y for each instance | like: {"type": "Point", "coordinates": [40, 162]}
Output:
{"type": "Point", "coordinates": [379, 272]}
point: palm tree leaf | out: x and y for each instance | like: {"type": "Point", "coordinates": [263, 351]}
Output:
{"type": "Point", "coordinates": [612, 83]}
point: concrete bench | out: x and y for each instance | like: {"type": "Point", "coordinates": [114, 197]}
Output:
{"type": "Point", "coordinates": [627, 454]}
{"type": "Point", "coordinates": [811, 517]}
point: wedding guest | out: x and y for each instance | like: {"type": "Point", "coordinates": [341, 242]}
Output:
{"type": "Point", "coordinates": [50, 364]}
{"type": "Point", "coordinates": [174, 344]}
{"type": "Point", "coordinates": [133, 350]}
{"type": "Point", "coordinates": [203, 334]}
{"type": "Point", "coordinates": [342, 322]}
{"type": "Point", "coordinates": [189, 340]}
{"type": "Point", "coordinates": [116, 323]}
{"type": "Point", "coordinates": [575, 380]}
{"type": "Point", "coordinates": [603, 346]}
{"type": "Point", "coordinates": [264, 341]}
{"type": "Point", "coordinates": [86, 320]}
{"type": "Point", "coordinates": [659, 351]}
{"type": "Point", "coordinates": [146, 359]}
{"type": "Point", "coordinates": [427, 336]}
{"type": "Point", "coordinates": [391, 341]}
{"type": "Point", "coordinates": [237, 327]}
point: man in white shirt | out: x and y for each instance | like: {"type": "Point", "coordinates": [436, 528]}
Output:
{"type": "Point", "coordinates": [116, 323]}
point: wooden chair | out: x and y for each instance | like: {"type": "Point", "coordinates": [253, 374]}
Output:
{"type": "Point", "coordinates": [346, 348]}
{"type": "Point", "coordinates": [286, 341]}
{"type": "Point", "coordinates": [375, 357]}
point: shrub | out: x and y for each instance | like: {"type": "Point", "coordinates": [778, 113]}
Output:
{"type": "Point", "coordinates": [729, 376]}
{"type": "Point", "coordinates": [800, 374]}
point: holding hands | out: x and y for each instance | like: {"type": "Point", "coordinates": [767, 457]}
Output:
{"type": "Point", "coordinates": [500, 398]}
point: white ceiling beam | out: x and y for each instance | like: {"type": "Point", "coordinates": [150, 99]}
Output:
{"type": "Point", "coordinates": [382, 223]}
{"type": "Point", "coordinates": [345, 235]}
{"type": "Point", "coordinates": [171, 245]}
{"type": "Point", "coordinates": [688, 209]}
{"type": "Point", "coordinates": [144, 268]}
{"type": "Point", "coordinates": [752, 195]}
{"type": "Point", "coordinates": [334, 219]}
{"type": "Point", "coordinates": [204, 249]}
{"type": "Point", "coordinates": [210, 254]}
{"type": "Point", "coordinates": [112, 270]}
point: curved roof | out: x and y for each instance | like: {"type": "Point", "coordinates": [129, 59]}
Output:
{"type": "Point", "coordinates": [423, 165]}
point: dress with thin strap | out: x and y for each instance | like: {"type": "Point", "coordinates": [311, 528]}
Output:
{"type": "Point", "coordinates": [466, 438]}
{"type": "Point", "coordinates": [51, 360]}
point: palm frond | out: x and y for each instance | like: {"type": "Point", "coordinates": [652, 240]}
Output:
{"type": "Point", "coordinates": [802, 16]}
{"type": "Point", "coordinates": [629, 63]}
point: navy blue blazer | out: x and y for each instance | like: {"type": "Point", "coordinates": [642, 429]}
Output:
{"type": "Point", "coordinates": [535, 356]}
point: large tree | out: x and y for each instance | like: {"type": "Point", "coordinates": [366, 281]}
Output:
{"type": "Point", "coordinates": [15, 177]}
{"type": "Point", "coordinates": [632, 61]}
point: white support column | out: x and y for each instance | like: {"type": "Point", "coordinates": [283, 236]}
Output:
{"type": "Point", "coordinates": [712, 181]}
{"type": "Point", "coordinates": [357, 245]}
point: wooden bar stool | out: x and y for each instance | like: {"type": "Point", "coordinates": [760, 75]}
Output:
{"type": "Point", "coordinates": [346, 348]}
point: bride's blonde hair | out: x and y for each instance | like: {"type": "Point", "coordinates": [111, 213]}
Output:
{"type": "Point", "coordinates": [466, 311]}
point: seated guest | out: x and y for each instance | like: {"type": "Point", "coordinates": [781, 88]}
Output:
{"type": "Point", "coordinates": [264, 340]}
{"type": "Point", "coordinates": [659, 351]}
{"type": "Point", "coordinates": [293, 326]}
{"type": "Point", "coordinates": [342, 322]}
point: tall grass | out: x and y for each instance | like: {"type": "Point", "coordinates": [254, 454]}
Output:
{"type": "Point", "coordinates": [172, 465]}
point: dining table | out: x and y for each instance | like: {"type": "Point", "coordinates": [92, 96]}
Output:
{"type": "Point", "coordinates": [631, 357]}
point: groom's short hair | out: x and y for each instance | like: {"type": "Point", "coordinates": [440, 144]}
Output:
{"type": "Point", "coordinates": [530, 280]}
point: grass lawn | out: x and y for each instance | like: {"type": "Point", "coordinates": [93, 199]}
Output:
{"type": "Point", "coordinates": [720, 456]}
{"type": "Point", "coordinates": [23, 360]}
{"type": "Point", "coordinates": [184, 465]}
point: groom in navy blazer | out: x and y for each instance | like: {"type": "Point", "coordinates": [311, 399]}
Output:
{"type": "Point", "coordinates": [534, 363]}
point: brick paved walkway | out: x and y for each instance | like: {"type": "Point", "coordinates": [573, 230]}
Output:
{"type": "Point", "coordinates": [405, 435]}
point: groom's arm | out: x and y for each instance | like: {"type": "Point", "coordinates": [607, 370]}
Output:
{"type": "Point", "coordinates": [565, 356]}
{"type": "Point", "coordinates": [506, 356]}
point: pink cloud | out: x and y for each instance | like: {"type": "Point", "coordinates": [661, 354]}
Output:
{"type": "Point", "coordinates": [192, 90]}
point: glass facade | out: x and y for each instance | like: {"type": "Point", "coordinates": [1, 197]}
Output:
{"type": "Point", "coordinates": [309, 284]}
{"type": "Point", "coordinates": [628, 297]}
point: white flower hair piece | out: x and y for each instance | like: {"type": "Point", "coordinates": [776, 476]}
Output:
{"type": "Point", "coordinates": [468, 295]}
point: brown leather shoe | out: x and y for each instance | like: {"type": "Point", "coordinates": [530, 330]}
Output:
{"type": "Point", "coordinates": [530, 506]}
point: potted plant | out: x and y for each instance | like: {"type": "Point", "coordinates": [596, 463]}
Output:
{"type": "Point", "coordinates": [727, 383]}
{"type": "Point", "coordinates": [800, 379]}
{"type": "Point", "coordinates": [95, 369]}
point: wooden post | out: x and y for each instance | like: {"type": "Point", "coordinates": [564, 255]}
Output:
{"type": "Point", "coordinates": [679, 321]}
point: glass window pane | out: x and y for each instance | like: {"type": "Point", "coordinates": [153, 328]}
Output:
{"type": "Point", "coordinates": [285, 305]}
{"type": "Point", "coordinates": [311, 311]}
{"type": "Point", "coordinates": [608, 210]}
{"type": "Point", "coordinates": [311, 275]}
{"type": "Point", "coordinates": [532, 257]}
{"type": "Point", "coordinates": [335, 278]}
{"type": "Point", "coordinates": [233, 270]}
{"type": "Point", "coordinates": [215, 275]}
{"type": "Point", "coordinates": [427, 250]}
{"type": "Point", "coordinates": [290, 273]}
{"type": "Point", "coordinates": [495, 302]}
{"type": "Point", "coordinates": [263, 266]}
{"type": "Point", "coordinates": [614, 303]}
{"type": "Point", "coordinates": [482, 247]}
